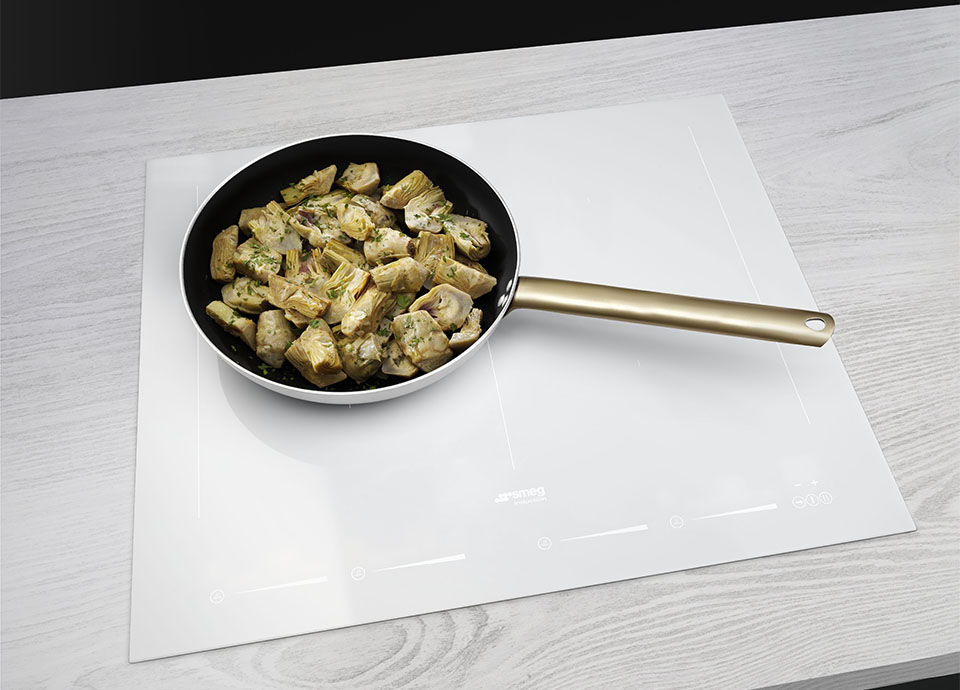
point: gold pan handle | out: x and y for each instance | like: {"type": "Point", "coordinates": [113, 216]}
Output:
{"type": "Point", "coordinates": [743, 319]}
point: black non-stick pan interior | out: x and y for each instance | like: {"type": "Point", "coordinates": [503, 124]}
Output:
{"type": "Point", "coordinates": [262, 181]}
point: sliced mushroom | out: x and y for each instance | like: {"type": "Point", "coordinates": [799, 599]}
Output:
{"type": "Point", "coordinates": [233, 322]}
{"type": "Point", "coordinates": [320, 347]}
{"type": "Point", "coordinates": [384, 244]}
{"type": "Point", "coordinates": [469, 234]}
{"type": "Point", "coordinates": [471, 281]}
{"type": "Point", "coordinates": [468, 333]}
{"type": "Point", "coordinates": [364, 316]}
{"type": "Point", "coordinates": [402, 275]}
{"type": "Point", "coordinates": [221, 259]}
{"type": "Point", "coordinates": [395, 363]}
{"type": "Point", "coordinates": [248, 214]}
{"type": "Point", "coordinates": [445, 303]}
{"type": "Point", "coordinates": [355, 222]}
{"type": "Point", "coordinates": [426, 212]}
{"type": "Point", "coordinates": [400, 194]}
{"type": "Point", "coordinates": [431, 248]}
{"type": "Point", "coordinates": [273, 229]}
{"type": "Point", "coordinates": [246, 294]}
{"type": "Point", "coordinates": [360, 357]}
{"type": "Point", "coordinates": [342, 289]}
{"type": "Point", "coordinates": [314, 184]}
{"type": "Point", "coordinates": [381, 216]}
{"type": "Point", "coordinates": [360, 178]}
{"type": "Point", "coordinates": [274, 336]}
{"type": "Point", "coordinates": [336, 253]}
{"type": "Point", "coordinates": [422, 340]}
{"type": "Point", "coordinates": [296, 354]}
{"type": "Point", "coordinates": [254, 260]}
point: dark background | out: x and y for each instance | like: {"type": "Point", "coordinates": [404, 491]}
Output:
{"type": "Point", "coordinates": [58, 47]}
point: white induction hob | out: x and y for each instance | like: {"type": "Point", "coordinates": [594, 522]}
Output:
{"type": "Point", "coordinates": [570, 452]}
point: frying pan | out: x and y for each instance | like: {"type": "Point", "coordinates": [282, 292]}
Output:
{"type": "Point", "coordinates": [260, 181]}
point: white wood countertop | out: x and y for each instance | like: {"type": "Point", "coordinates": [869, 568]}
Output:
{"type": "Point", "coordinates": [854, 126]}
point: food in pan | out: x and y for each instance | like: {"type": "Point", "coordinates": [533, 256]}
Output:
{"type": "Point", "coordinates": [348, 278]}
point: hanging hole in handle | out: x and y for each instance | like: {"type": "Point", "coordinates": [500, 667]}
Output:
{"type": "Point", "coordinates": [816, 324]}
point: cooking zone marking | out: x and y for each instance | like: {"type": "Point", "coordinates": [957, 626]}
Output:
{"type": "Point", "coordinates": [298, 583]}
{"type": "Point", "coordinates": [506, 432]}
{"type": "Point", "coordinates": [755, 509]}
{"type": "Point", "coordinates": [445, 559]}
{"type": "Point", "coordinates": [745, 267]}
{"type": "Point", "coordinates": [625, 530]}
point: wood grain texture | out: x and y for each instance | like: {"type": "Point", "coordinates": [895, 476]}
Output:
{"type": "Point", "coordinates": [853, 126]}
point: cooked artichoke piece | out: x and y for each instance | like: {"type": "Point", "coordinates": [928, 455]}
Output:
{"type": "Point", "coordinates": [273, 229]}
{"type": "Point", "coordinates": [468, 333]}
{"type": "Point", "coordinates": [471, 281]}
{"type": "Point", "coordinates": [360, 178]}
{"type": "Point", "coordinates": [248, 214]}
{"type": "Point", "coordinates": [469, 234]}
{"type": "Point", "coordinates": [343, 288]}
{"type": "Point", "coordinates": [395, 363]}
{"type": "Point", "coordinates": [475, 265]}
{"type": "Point", "coordinates": [246, 294]}
{"type": "Point", "coordinates": [422, 340]}
{"type": "Point", "coordinates": [291, 264]}
{"type": "Point", "coordinates": [404, 300]}
{"type": "Point", "coordinates": [445, 303]}
{"type": "Point", "coordinates": [402, 275]}
{"type": "Point", "coordinates": [383, 332]}
{"type": "Point", "coordinates": [426, 212]}
{"type": "Point", "coordinates": [286, 294]}
{"type": "Point", "coordinates": [336, 253]}
{"type": "Point", "coordinates": [296, 318]}
{"type": "Point", "coordinates": [431, 248]}
{"type": "Point", "coordinates": [320, 347]}
{"type": "Point", "coordinates": [330, 203]}
{"type": "Point", "coordinates": [400, 194]}
{"type": "Point", "coordinates": [384, 244]}
{"type": "Point", "coordinates": [360, 357]}
{"type": "Point", "coordinates": [233, 322]}
{"type": "Point", "coordinates": [311, 278]}
{"type": "Point", "coordinates": [314, 184]}
{"type": "Point", "coordinates": [355, 222]}
{"type": "Point", "coordinates": [297, 356]}
{"type": "Point", "coordinates": [274, 336]}
{"type": "Point", "coordinates": [317, 226]}
{"type": "Point", "coordinates": [364, 316]}
{"type": "Point", "coordinates": [221, 258]}
{"type": "Point", "coordinates": [254, 260]}
{"type": "Point", "coordinates": [381, 216]}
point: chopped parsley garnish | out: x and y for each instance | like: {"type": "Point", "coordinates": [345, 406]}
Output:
{"type": "Point", "coordinates": [315, 323]}
{"type": "Point", "coordinates": [264, 368]}
{"type": "Point", "coordinates": [404, 301]}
